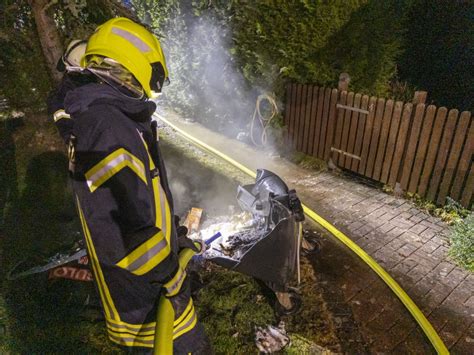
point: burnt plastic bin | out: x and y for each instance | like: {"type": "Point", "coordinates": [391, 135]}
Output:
{"type": "Point", "coordinates": [273, 258]}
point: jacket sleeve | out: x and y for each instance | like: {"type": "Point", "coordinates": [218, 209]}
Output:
{"type": "Point", "coordinates": [120, 184]}
{"type": "Point", "coordinates": [55, 106]}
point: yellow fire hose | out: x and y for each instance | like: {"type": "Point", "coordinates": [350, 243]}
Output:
{"type": "Point", "coordinates": [165, 313]}
{"type": "Point", "coordinates": [425, 325]}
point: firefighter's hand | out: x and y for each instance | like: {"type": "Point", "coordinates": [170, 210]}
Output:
{"type": "Point", "coordinates": [185, 242]}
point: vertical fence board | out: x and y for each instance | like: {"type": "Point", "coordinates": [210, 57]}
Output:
{"type": "Point", "coordinates": [453, 159]}
{"type": "Point", "coordinates": [307, 119]}
{"type": "Point", "coordinates": [391, 141]}
{"type": "Point", "coordinates": [442, 155]}
{"type": "Point", "coordinates": [421, 150]}
{"type": "Point", "coordinates": [412, 144]}
{"type": "Point", "coordinates": [400, 145]}
{"type": "Point", "coordinates": [345, 128]}
{"type": "Point", "coordinates": [468, 189]}
{"type": "Point", "coordinates": [291, 123]}
{"type": "Point", "coordinates": [319, 117]}
{"type": "Point", "coordinates": [296, 112]}
{"type": "Point", "coordinates": [312, 126]}
{"type": "Point", "coordinates": [375, 137]}
{"type": "Point", "coordinates": [360, 133]}
{"type": "Point", "coordinates": [463, 166]}
{"type": "Point", "coordinates": [324, 124]}
{"type": "Point", "coordinates": [299, 138]}
{"type": "Point", "coordinates": [386, 121]}
{"type": "Point", "coordinates": [352, 131]}
{"type": "Point", "coordinates": [339, 122]}
{"type": "Point", "coordinates": [367, 134]}
{"type": "Point", "coordinates": [287, 111]}
{"type": "Point", "coordinates": [331, 123]}
{"type": "Point", "coordinates": [433, 146]}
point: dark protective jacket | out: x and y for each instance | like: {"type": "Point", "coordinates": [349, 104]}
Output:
{"type": "Point", "coordinates": [126, 211]}
{"type": "Point", "coordinates": [55, 101]}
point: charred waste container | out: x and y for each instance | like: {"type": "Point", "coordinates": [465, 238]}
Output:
{"type": "Point", "coordinates": [268, 249]}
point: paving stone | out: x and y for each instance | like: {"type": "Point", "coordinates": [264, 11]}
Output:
{"type": "Point", "coordinates": [459, 300]}
{"type": "Point", "coordinates": [378, 212]}
{"type": "Point", "coordinates": [386, 227]}
{"type": "Point", "coordinates": [396, 244]}
{"type": "Point", "coordinates": [402, 222]}
{"type": "Point", "coordinates": [403, 267]}
{"type": "Point", "coordinates": [397, 202]}
{"type": "Point", "coordinates": [443, 269]}
{"type": "Point", "coordinates": [396, 232]}
{"type": "Point", "coordinates": [435, 297]}
{"type": "Point", "coordinates": [465, 344]}
{"type": "Point", "coordinates": [457, 275]}
{"type": "Point", "coordinates": [406, 250]}
{"type": "Point", "coordinates": [418, 272]}
{"type": "Point", "coordinates": [415, 343]}
{"type": "Point", "coordinates": [365, 229]}
{"type": "Point", "coordinates": [470, 302]}
{"type": "Point", "coordinates": [404, 207]}
{"type": "Point", "coordinates": [425, 259]}
{"type": "Point", "coordinates": [431, 225]}
{"type": "Point", "coordinates": [418, 228]}
{"type": "Point", "coordinates": [430, 246]}
{"type": "Point", "coordinates": [417, 218]}
{"type": "Point", "coordinates": [355, 225]}
{"type": "Point", "coordinates": [452, 332]}
{"type": "Point", "coordinates": [439, 318]}
{"type": "Point", "coordinates": [441, 252]}
{"type": "Point", "coordinates": [401, 329]}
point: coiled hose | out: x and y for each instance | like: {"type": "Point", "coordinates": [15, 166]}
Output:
{"type": "Point", "coordinates": [263, 120]}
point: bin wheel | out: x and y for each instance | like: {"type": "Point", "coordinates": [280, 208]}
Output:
{"type": "Point", "coordinates": [310, 244]}
{"type": "Point", "coordinates": [288, 303]}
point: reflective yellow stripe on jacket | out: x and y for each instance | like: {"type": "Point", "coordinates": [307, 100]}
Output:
{"type": "Point", "coordinates": [143, 335]}
{"type": "Point", "coordinates": [109, 307]}
{"type": "Point", "coordinates": [147, 256]}
{"type": "Point", "coordinates": [111, 165]}
{"type": "Point", "coordinates": [60, 114]}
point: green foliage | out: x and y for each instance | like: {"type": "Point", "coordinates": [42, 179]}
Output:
{"type": "Point", "coordinates": [222, 54]}
{"type": "Point", "coordinates": [439, 51]}
{"type": "Point", "coordinates": [452, 212]}
{"type": "Point", "coordinates": [462, 243]}
{"type": "Point", "coordinates": [23, 73]}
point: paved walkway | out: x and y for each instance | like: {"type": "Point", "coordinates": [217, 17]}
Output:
{"type": "Point", "coordinates": [410, 244]}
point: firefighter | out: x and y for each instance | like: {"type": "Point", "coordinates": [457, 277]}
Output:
{"type": "Point", "coordinates": [122, 194]}
{"type": "Point", "coordinates": [73, 77]}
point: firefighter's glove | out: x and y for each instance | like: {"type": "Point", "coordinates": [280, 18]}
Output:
{"type": "Point", "coordinates": [184, 242]}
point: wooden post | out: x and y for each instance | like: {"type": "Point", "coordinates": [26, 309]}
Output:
{"type": "Point", "coordinates": [419, 97]}
{"type": "Point", "coordinates": [344, 80]}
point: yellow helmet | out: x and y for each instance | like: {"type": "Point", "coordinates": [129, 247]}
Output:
{"type": "Point", "coordinates": [134, 47]}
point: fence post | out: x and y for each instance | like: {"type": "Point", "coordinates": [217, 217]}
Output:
{"type": "Point", "coordinates": [344, 80]}
{"type": "Point", "coordinates": [419, 97]}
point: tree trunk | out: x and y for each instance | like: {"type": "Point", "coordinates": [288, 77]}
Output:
{"type": "Point", "coordinates": [48, 35]}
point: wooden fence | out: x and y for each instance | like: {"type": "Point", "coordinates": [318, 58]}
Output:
{"type": "Point", "coordinates": [427, 150]}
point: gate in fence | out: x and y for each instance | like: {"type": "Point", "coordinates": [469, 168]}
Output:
{"type": "Point", "coordinates": [426, 149]}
